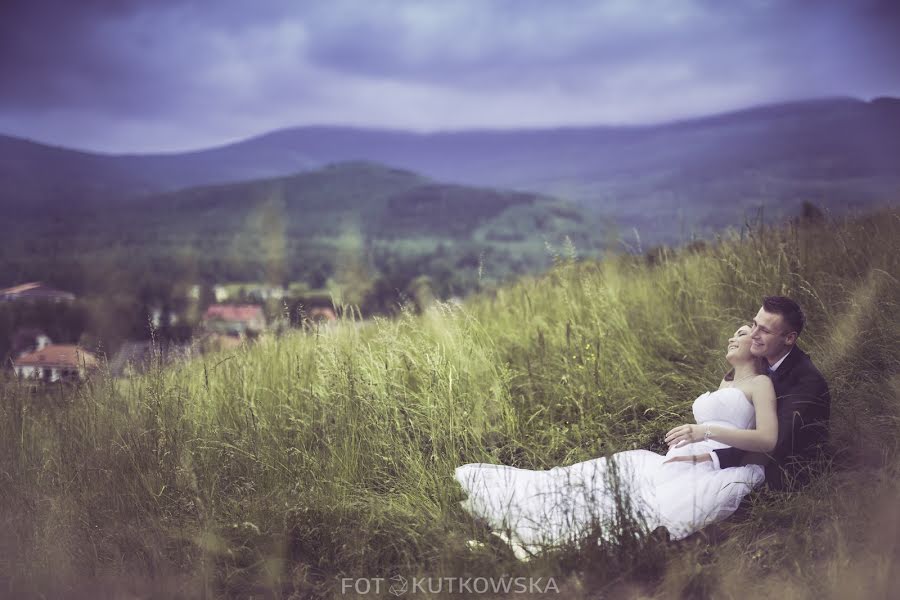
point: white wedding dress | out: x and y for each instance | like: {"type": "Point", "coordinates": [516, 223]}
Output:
{"type": "Point", "coordinates": [533, 510]}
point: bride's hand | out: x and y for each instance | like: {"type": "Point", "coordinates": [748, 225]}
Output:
{"type": "Point", "coordinates": [684, 434]}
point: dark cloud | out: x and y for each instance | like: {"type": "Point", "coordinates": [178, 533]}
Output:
{"type": "Point", "coordinates": [149, 74]}
{"type": "Point", "coordinates": [74, 55]}
{"type": "Point", "coordinates": [540, 40]}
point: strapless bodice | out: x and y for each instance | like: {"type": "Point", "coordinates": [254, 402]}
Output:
{"type": "Point", "coordinates": [727, 406]}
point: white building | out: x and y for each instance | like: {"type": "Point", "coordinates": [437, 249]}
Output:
{"type": "Point", "coordinates": [55, 362]}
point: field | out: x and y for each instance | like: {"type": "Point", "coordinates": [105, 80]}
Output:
{"type": "Point", "coordinates": [278, 470]}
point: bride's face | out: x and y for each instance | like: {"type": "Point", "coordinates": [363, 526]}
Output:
{"type": "Point", "coordinates": [739, 345]}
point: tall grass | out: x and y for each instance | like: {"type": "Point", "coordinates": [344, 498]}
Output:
{"type": "Point", "coordinates": [276, 470]}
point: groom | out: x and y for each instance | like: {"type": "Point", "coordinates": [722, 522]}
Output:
{"type": "Point", "coordinates": [803, 401]}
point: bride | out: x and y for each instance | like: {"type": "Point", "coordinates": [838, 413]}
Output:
{"type": "Point", "coordinates": [682, 490]}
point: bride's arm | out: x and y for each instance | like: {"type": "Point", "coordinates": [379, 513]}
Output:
{"type": "Point", "coordinates": [765, 436]}
{"type": "Point", "coordinates": [761, 439]}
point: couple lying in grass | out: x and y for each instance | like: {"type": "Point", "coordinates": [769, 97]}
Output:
{"type": "Point", "coordinates": [766, 421]}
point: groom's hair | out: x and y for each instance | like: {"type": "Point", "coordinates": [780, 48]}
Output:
{"type": "Point", "coordinates": [789, 310]}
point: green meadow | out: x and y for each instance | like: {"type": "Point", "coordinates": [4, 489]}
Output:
{"type": "Point", "coordinates": [278, 470]}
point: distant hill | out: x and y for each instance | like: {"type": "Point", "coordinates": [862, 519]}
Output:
{"type": "Point", "coordinates": [377, 202]}
{"type": "Point", "coordinates": [308, 227]}
{"type": "Point", "coordinates": [668, 180]}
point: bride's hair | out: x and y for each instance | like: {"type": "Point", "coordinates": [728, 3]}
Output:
{"type": "Point", "coordinates": [760, 365]}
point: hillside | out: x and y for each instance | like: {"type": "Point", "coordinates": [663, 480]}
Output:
{"type": "Point", "coordinates": [360, 221]}
{"type": "Point", "coordinates": [385, 203]}
{"type": "Point", "coordinates": [279, 469]}
{"type": "Point", "coordinates": [668, 180]}
{"type": "Point", "coordinates": [376, 203]}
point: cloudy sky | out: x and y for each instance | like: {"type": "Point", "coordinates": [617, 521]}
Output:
{"type": "Point", "coordinates": [164, 75]}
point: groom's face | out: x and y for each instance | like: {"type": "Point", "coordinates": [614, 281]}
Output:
{"type": "Point", "coordinates": [769, 338]}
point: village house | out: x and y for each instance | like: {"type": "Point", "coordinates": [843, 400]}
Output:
{"type": "Point", "coordinates": [33, 292]}
{"type": "Point", "coordinates": [241, 319]}
{"type": "Point", "coordinates": [55, 362]}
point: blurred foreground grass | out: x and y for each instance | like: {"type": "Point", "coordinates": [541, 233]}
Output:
{"type": "Point", "coordinates": [277, 470]}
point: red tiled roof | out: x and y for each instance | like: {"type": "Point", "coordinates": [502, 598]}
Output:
{"type": "Point", "coordinates": [58, 355]}
{"type": "Point", "coordinates": [230, 312]}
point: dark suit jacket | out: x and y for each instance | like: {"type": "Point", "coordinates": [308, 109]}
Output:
{"type": "Point", "coordinates": [803, 407]}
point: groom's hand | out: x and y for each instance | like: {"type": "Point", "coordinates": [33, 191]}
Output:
{"type": "Point", "coordinates": [691, 458]}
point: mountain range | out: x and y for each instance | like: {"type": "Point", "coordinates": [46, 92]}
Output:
{"type": "Point", "coordinates": [665, 180]}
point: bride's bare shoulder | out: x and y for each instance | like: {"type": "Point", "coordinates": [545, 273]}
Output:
{"type": "Point", "coordinates": [763, 384]}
